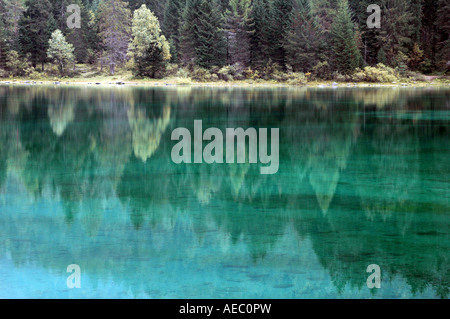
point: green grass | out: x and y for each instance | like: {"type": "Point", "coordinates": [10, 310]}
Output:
{"type": "Point", "coordinates": [91, 75]}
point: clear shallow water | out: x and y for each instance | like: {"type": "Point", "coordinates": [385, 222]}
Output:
{"type": "Point", "coordinates": [86, 178]}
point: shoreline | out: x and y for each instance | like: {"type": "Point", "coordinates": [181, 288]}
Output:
{"type": "Point", "coordinates": [176, 82]}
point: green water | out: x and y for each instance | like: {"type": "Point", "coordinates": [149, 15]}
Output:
{"type": "Point", "coordinates": [86, 178]}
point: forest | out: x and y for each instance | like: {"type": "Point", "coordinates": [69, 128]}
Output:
{"type": "Point", "coordinates": [293, 41]}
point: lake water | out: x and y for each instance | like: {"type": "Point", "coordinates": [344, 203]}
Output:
{"type": "Point", "coordinates": [86, 178]}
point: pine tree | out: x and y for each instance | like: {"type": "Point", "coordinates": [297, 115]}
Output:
{"type": "Point", "coordinates": [3, 48]}
{"type": "Point", "coordinates": [59, 13]}
{"type": "Point", "coordinates": [188, 34]}
{"type": "Point", "coordinates": [202, 39]}
{"type": "Point", "coordinates": [13, 12]}
{"type": "Point", "coordinates": [211, 46]}
{"type": "Point", "coordinates": [172, 24]}
{"type": "Point", "coordinates": [443, 45]}
{"type": "Point", "coordinates": [304, 40]}
{"type": "Point", "coordinates": [156, 6]}
{"type": "Point", "coordinates": [60, 51]}
{"type": "Point", "coordinates": [395, 35]}
{"type": "Point", "coordinates": [281, 21]}
{"type": "Point", "coordinates": [35, 29]}
{"type": "Point", "coordinates": [149, 49]}
{"type": "Point", "coordinates": [346, 54]}
{"type": "Point", "coordinates": [114, 25]}
{"type": "Point", "coordinates": [238, 31]}
{"type": "Point", "coordinates": [381, 57]}
{"type": "Point", "coordinates": [261, 38]}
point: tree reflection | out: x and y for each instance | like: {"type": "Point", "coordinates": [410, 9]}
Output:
{"type": "Point", "coordinates": [358, 171]}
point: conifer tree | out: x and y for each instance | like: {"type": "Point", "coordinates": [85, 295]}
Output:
{"type": "Point", "coordinates": [281, 21]}
{"type": "Point", "coordinates": [346, 54]}
{"type": "Point", "coordinates": [261, 39]}
{"type": "Point", "coordinates": [35, 29]}
{"type": "Point", "coordinates": [304, 40]}
{"type": "Point", "coordinates": [60, 51]}
{"type": "Point", "coordinates": [12, 13]}
{"type": "Point", "coordinates": [149, 49]}
{"type": "Point", "coordinates": [172, 24]}
{"type": "Point", "coordinates": [188, 34]}
{"type": "Point", "coordinates": [238, 31]}
{"type": "Point", "coordinates": [211, 46]}
{"type": "Point", "coordinates": [115, 28]}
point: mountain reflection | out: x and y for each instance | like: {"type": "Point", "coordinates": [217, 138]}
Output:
{"type": "Point", "coordinates": [358, 171]}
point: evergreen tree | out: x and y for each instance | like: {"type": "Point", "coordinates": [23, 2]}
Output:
{"type": "Point", "coordinates": [59, 13]}
{"type": "Point", "coordinates": [12, 13]}
{"type": "Point", "coordinates": [443, 45]}
{"type": "Point", "coordinates": [395, 35]}
{"type": "Point", "coordinates": [202, 39]}
{"type": "Point", "coordinates": [156, 6]}
{"type": "Point", "coordinates": [3, 48]}
{"type": "Point", "coordinates": [346, 54]}
{"type": "Point", "coordinates": [149, 49]}
{"type": "Point", "coordinates": [172, 24]}
{"type": "Point", "coordinates": [188, 33]}
{"type": "Point", "coordinates": [35, 29]}
{"type": "Point", "coordinates": [238, 31]}
{"type": "Point", "coordinates": [281, 21]}
{"type": "Point", "coordinates": [381, 57]}
{"type": "Point", "coordinates": [304, 41]}
{"type": "Point", "coordinates": [211, 46]}
{"type": "Point", "coordinates": [262, 38]}
{"type": "Point", "coordinates": [60, 51]}
{"type": "Point", "coordinates": [85, 39]}
{"type": "Point", "coordinates": [114, 25]}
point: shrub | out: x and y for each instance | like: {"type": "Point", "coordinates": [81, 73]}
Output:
{"type": "Point", "coordinates": [297, 78]}
{"type": "Point", "coordinates": [182, 73]}
{"type": "Point", "coordinates": [184, 81]}
{"type": "Point", "coordinates": [232, 72]}
{"type": "Point", "coordinates": [171, 69]}
{"type": "Point", "coordinates": [341, 77]}
{"type": "Point", "coordinates": [251, 74]}
{"type": "Point", "coordinates": [15, 64]}
{"type": "Point", "coordinates": [322, 71]}
{"type": "Point", "coordinates": [200, 74]}
{"type": "Point", "coordinates": [225, 73]}
{"type": "Point", "coordinates": [3, 73]}
{"type": "Point", "coordinates": [380, 73]}
{"type": "Point", "coordinates": [271, 71]}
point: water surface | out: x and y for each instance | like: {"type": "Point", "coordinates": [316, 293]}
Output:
{"type": "Point", "coordinates": [86, 178]}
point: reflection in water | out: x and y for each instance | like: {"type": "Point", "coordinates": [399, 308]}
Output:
{"type": "Point", "coordinates": [363, 179]}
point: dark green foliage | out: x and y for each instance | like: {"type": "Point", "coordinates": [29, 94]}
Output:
{"type": "Point", "coordinates": [262, 34]}
{"type": "Point", "coordinates": [202, 38]}
{"type": "Point", "coordinates": [172, 24]}
{"type": "Point", "coordinates": [36, 27]}
{"type": "Point", "coordinates": [261, 39]}
{"type": "Point", "coordinates": [346, 54]}
{"type": "Point", "coordinates": [210, 48]}
{"type": "Point", "coordinates": [304, 42]}
{"type": "Point", "coordinates": [281, 21]}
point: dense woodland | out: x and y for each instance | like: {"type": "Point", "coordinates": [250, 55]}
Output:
{"type": "Point", "coordinates": [227, 39]}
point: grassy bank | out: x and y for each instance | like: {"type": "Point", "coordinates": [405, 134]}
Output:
{"type": "Point", "coordinates": [126, 78]}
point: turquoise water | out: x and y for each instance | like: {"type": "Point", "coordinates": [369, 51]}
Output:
{"type": "Point", "coordinates": [86, 178]}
